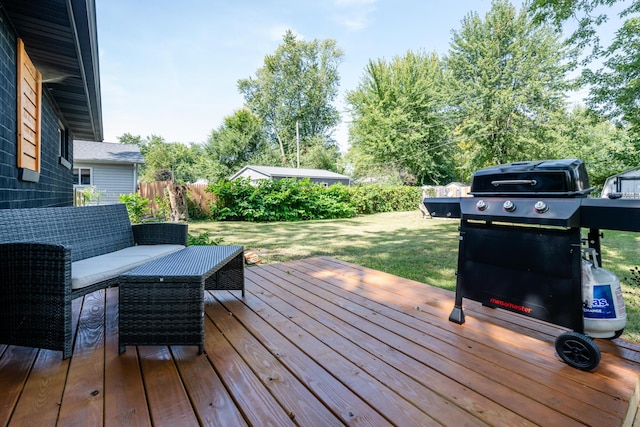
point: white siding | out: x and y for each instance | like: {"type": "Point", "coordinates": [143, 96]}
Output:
{"type": "Point", "coordinates": [112, 180]}
{"type": "Point", "coordinates": [254, 176]}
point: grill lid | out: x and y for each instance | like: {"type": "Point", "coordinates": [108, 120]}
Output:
{"type": "Point", "coordinates": [548, 178]}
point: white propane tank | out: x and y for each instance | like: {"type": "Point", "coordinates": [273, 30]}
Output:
{"type": "Point", "coordinates": [604, 312]}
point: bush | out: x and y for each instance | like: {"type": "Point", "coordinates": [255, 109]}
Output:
{"type": "Point", "coordinates": [375, 198]}
{"type": "Point", "coordinates": [137, 206]}
{"type": "Point", "coordinates": [291, 200]}
{"type": "Point", "coordinates": [203, 239]}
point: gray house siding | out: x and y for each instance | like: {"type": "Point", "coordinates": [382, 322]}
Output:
{"type": "Point", "coordinates": [111, 180]}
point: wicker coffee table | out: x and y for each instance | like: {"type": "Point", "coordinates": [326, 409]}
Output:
{"type": "Point", "coordinates": [162, 302]}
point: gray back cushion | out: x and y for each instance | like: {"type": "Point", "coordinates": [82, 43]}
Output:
{"type": "Point", "coordinates": [88, 230]}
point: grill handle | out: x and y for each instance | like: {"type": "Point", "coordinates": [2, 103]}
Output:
{"type": "Point", "coordinates": [531, 182]}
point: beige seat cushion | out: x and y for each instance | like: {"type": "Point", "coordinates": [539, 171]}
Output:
{"type": "Point", "coordinates": [108, 266]}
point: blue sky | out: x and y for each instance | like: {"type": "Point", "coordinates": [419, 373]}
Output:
{"type": "Point", "coordinates": [170, 68]}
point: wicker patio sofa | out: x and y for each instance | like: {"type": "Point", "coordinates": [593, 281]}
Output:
{"type": "Point", "coordinates": [50, 256]}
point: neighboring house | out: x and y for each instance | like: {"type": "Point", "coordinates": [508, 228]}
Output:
{"type": "Point", "coordinates": [49, 95]}
{"type": "Point", "coordinates": [626, 183]}
{"type": "Point", "coordinates": [320, 176]}
{"type": "Point", "coordinates": [112, 169]}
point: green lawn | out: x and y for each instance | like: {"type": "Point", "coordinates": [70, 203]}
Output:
{"type": "Point", "coordinates": [404, 244]}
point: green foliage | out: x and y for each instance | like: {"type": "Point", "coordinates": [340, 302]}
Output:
{"type": "Point", "coordinates": [91, 195]}
{"type": "Point", "coordinates": [614, 87]}
{"type": "Point", "coordinates": [400, 120]}
{"type": "Point", "coordinates": [375, 198]}
{"type": "Point", "coordinates": [166, 161]}
{"type": "Point", "coordinates": [196, 211]}
{"type": "Point", "coordinates": [291, 200]}
{"type": "Point", "coordinates": [322, 154]}
{"type": "Point", "coordinates": [128, 138]}
{"type": "Point", "coordinates": [296, 88]}
{"type": "Point", "coordinates": [605, 148]}
{"type": "Point", "coordinates": [163, 210]}
{"type": "Point", "coordinates": [203, 239]}
{"type": "Point", "coordinates": [239, 141]}
{"type": "Point", "coordinates": [137, 206]}
{"type": "Point", "coordinates": [277, 200]}
{"type": "Point", "coordinates": [510, 75]}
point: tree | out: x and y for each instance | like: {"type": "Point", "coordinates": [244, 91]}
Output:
{"type": "Point", "coordinates": [128, 138]}
{"type": "Point", "coordinates": [239, 141]}
{"type": "Point", "coordinates": [166, 161]}
{"type": "Point", "coordinates": [615, 87]}
{"type": "Point", "coordinates": [321, 154]}
{"type": "Point", "coordinates": [399, 120]}
{"type": "Point", "coordinates": [605, 148]}
{"type": "Point", "coordinates": [510, 76]}
{"type": "Point", "coordinates": [294, 90]}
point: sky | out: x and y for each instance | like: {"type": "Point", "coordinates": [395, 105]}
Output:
{"type": "Point", "coordinates": [170, 68]}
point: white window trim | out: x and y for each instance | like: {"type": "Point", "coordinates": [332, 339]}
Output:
{"type": "Point", "coordinates": [80, 168]}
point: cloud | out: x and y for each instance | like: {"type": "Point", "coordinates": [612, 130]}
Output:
{"type": "Point", "coordinates": [355, 15]}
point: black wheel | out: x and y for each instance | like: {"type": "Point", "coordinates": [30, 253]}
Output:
{"type": "Point", "coordinates": [617, 334]}
{"type": "Point", "coordinates": [578, 350]}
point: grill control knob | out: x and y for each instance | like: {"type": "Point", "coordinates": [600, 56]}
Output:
{"type": "Point", "coordinates": [481, 205]}
{"type": "Point", "coordinates": [540, 207]}
{"type": "Point", "coordinates": [509, 206]}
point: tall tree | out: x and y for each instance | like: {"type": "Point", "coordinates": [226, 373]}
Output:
{"type": "Point", "coordinates": [510, 75]}
{"type": "Point", "coordinates": [614, 86]}
{"type": "Point", "coordinates": [294, 90]}
{"type": "Point", "coordinates": [167, 161]}
{"type": "Point", "coordinates": [605, 148]}
{"type": "Point", "coordinates": [240, 140]}
{"type": "Point", "coordinates": [399, 121]}
{"type": "Point", "coordinates": [128, 138]}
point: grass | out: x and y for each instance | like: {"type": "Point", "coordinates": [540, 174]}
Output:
{"type": "Point", "coordinates": [404, 244]}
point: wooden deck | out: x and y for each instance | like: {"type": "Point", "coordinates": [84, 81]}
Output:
{"type": "Point", "coordinates": [320, 342]}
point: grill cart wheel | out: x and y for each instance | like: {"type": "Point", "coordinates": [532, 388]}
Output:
{"type": "Point", "coordinates": [578, 350]}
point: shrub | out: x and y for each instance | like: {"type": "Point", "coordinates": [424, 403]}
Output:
{"type": "Point", "coordinates": [277, 200]}
{"type": "Point", "coordinates": [375, 198]}
{"type": "Point", "coordinates": [163, 210]}
{"type": "Point", "coordinates": [203, 239]}
{"type": "Point", "coordinates": [292, 200]}
{"type": "Point", "coordinates": [137, 206]}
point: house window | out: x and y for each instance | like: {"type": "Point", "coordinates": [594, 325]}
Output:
{"type": "Point", "coordinates": [63, 136]}
{"type": "Point", "coordinates": [81, 176]}
{"type": "Point", "coordinates": [29, 97]}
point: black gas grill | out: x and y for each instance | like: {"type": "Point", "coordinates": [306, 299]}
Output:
{"type": "Point", "coordinates": [520, 244]}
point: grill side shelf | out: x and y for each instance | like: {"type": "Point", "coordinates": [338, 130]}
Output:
{"type": "Point", "coordinates": [607, 214]}
{"type": "Point", "coordinates": [443, 207]}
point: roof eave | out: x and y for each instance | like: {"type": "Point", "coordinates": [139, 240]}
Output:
{"type": "Point", "coordinates": [61, 39]}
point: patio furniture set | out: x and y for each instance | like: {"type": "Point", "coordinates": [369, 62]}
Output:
{"type": "Point", "coordinates": [51, 256]}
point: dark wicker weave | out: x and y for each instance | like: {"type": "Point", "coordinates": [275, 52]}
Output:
{"type": "Point", "coordinates": [37, 247]}
{"type": "Point", "coordinates": [162, 302]}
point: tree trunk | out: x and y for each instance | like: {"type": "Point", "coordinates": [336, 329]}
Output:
{"type": "Point", "coordinates": [178, 202]}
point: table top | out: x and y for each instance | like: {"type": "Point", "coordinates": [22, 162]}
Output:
{"type": "Point", "coordinates": [192, 261]}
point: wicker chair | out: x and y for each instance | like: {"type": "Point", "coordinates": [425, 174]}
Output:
{"type": "Point", "coordinates": [37, 248]}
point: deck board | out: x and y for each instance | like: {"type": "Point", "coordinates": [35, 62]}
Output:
{"type": "Point", "coordinates": [321, 342]}
{"type": "Point", "coordinates": [125, 402]}
{"type": "Point", "coordinates": [504, 368]}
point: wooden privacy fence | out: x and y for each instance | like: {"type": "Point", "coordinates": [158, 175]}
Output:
{"type": "Point", "coordinates": [151, 190]}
